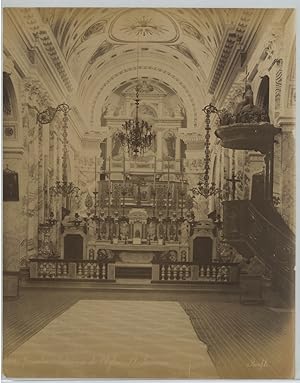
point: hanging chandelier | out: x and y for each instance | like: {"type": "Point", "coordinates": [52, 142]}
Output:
{"type": "Point", "coordinates": [136, 135]}
{"type": "Point", "coordinates": [63, 187]}
{"type": "Point", "coordinates": [204, 187]}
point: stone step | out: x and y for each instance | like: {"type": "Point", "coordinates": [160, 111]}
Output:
{"type": "Point", "coordinates": [133, 284]}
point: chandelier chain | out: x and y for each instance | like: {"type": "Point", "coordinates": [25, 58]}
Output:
{"type": "Point", "coordinates": [136, 134]}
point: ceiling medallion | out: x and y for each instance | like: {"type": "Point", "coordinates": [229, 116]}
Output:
{"type": "Point", "coordinates": [144, 26]}
{"type": "Point", "coordinates": [150, 25]}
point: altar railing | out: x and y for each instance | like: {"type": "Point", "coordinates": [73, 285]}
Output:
{"type": "Point", "coordinates": [71, 270]}
{"type": "Point", "coordinates": [186, 271]}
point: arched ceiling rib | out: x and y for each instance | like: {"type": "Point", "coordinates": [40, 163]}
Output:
{"type": "Point", "coordinates": [194, 33]}
{"type": "Point", "coordinates": [188, 94]}
{"type": "Point", "coordinates": [177, 46]}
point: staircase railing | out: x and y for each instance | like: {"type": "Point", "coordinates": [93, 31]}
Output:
{"type": "Point", "coordinates": [262, 233]}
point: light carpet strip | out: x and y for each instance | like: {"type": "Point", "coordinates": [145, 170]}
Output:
{"type": "Point", "coordinates": [114, 339]}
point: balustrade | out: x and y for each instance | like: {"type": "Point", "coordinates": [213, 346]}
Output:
{"type": "Point", "coordinates": [74, 270]}
{"type": "Point", "coordinates": [175, 272]}
{"type": "Point", "coordinates": [219, 273]}
{"type": "Point", "coordinates": [187, 271]}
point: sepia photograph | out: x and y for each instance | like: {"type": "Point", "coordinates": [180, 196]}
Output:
{"type": "Point", "coordinates": [149, 200]}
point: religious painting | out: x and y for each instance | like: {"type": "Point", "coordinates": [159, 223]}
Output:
{"type": "Point", "coordinates": [169, 146]}
{"type": "Point", "coordinates": [10, 185]}
{"type": "Point", "coordinates": [117, 152]}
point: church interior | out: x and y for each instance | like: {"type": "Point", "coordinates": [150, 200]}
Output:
{"type": "Point", "coordinates": [148, 192]}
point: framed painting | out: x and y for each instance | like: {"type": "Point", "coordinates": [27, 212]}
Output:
{"type": "Point", "coordinates": [10, 185]}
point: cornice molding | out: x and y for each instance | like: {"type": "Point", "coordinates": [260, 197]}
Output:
{"type": "Point", "coordinates": [39, 36]}
{"type": "Point", "coordinates": [227, 45]}
{"type": "Point", "coordinates": [236, 40]}
{"type": "Point", "coordinates": [286, 123]}
{"type": "Point", "coordinates": [190, 137]}
{"type": "Point", "coordinates": [54, 53]}
{"type": "Point", "coordinates": [18, 151]}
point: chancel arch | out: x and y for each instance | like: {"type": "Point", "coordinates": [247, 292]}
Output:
{"type": "Point", "coordinates": [172, 81]}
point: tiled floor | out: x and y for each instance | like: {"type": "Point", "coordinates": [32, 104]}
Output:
{"type": "Point", "coordinates": [243, 341]}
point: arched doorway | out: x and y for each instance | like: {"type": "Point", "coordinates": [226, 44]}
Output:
{"type": "Point", "coordinates": [202, 250]}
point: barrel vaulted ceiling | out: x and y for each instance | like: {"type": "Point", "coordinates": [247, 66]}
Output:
{"type": "Point", "coordinates": [177, 48]}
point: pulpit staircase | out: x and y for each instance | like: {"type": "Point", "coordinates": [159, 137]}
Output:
{"type": "Point", "coordinates": [257, 229]}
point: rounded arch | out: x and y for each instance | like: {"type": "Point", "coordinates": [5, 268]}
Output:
{"type": "Point", "coordinates": [190, 105]}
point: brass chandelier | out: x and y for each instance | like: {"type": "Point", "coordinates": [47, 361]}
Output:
{"type": "Point", "coordinates": [136, 134]}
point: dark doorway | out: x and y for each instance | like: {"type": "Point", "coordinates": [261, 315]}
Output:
{"type": "Point", "coordinates": [262, 98]}
{"type": "Point", "coordinates": [73, 247]}
{"type": "Point", "coordinates": [202, 250]}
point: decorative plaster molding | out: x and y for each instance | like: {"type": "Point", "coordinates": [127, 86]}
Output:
{"type": "Point", "coordinates": [13, 152]}
{"type": "Point", "coordinates": [42, 33]}
{"type": "Point", "coordinates": [274, 45]}
{"type": "Point", "coordinates": [56, 59]}
{"type": "Point", "coordinates": [190, 137]}
{"type": "Point", "coordinates": [136, 26]}
{"type": "Point", "coordinates": [157, 69]}
{"type": "Point", "coordinates": [36, 96]}
{"type": "Point", "coordinates": [234, 42]}
{"type": "Point", "coordinates": [228, 42]}
{"type": "Point", "coordinates": [286, 123]}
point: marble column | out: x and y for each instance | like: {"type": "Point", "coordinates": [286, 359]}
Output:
{"type": "Point", "coordinates": [40, 173]}
{"type": "Point", "coordinates": [288, 178]}
{"type": "Point", "coordinates": [32, 186]}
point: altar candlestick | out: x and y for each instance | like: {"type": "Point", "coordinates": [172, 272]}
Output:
{"type": "Point", "coordinates": [154, 179]}
{"type": "Point", "coordinates": [181, 191]}
{"type": "Point", "coordinates": [168, 187]}
{"type": "Point", "coordinates": [124, 183]}
{"type": "Point", "coordinates": [109, 185]}
{"type": "Point", "coordinates": [95, 173]}
{"type": "Point", "coordinates": [95, 192]}
{"type": "Point", "coordinates": [154, 188]}
{"type": "Point", "coordinates": [124, 167]}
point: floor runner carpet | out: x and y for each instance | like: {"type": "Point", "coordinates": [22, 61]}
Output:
{"type": "Point", "coordinates": [114, 339]}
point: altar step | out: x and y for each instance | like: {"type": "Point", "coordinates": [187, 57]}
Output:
{"type": "Point", "coordinates": [137, 272]}
{"type": "Point", "coordinates": [133, 284]}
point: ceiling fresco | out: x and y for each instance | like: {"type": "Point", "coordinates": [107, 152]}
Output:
{"type": "Point", "coordinates": [176, 46]}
